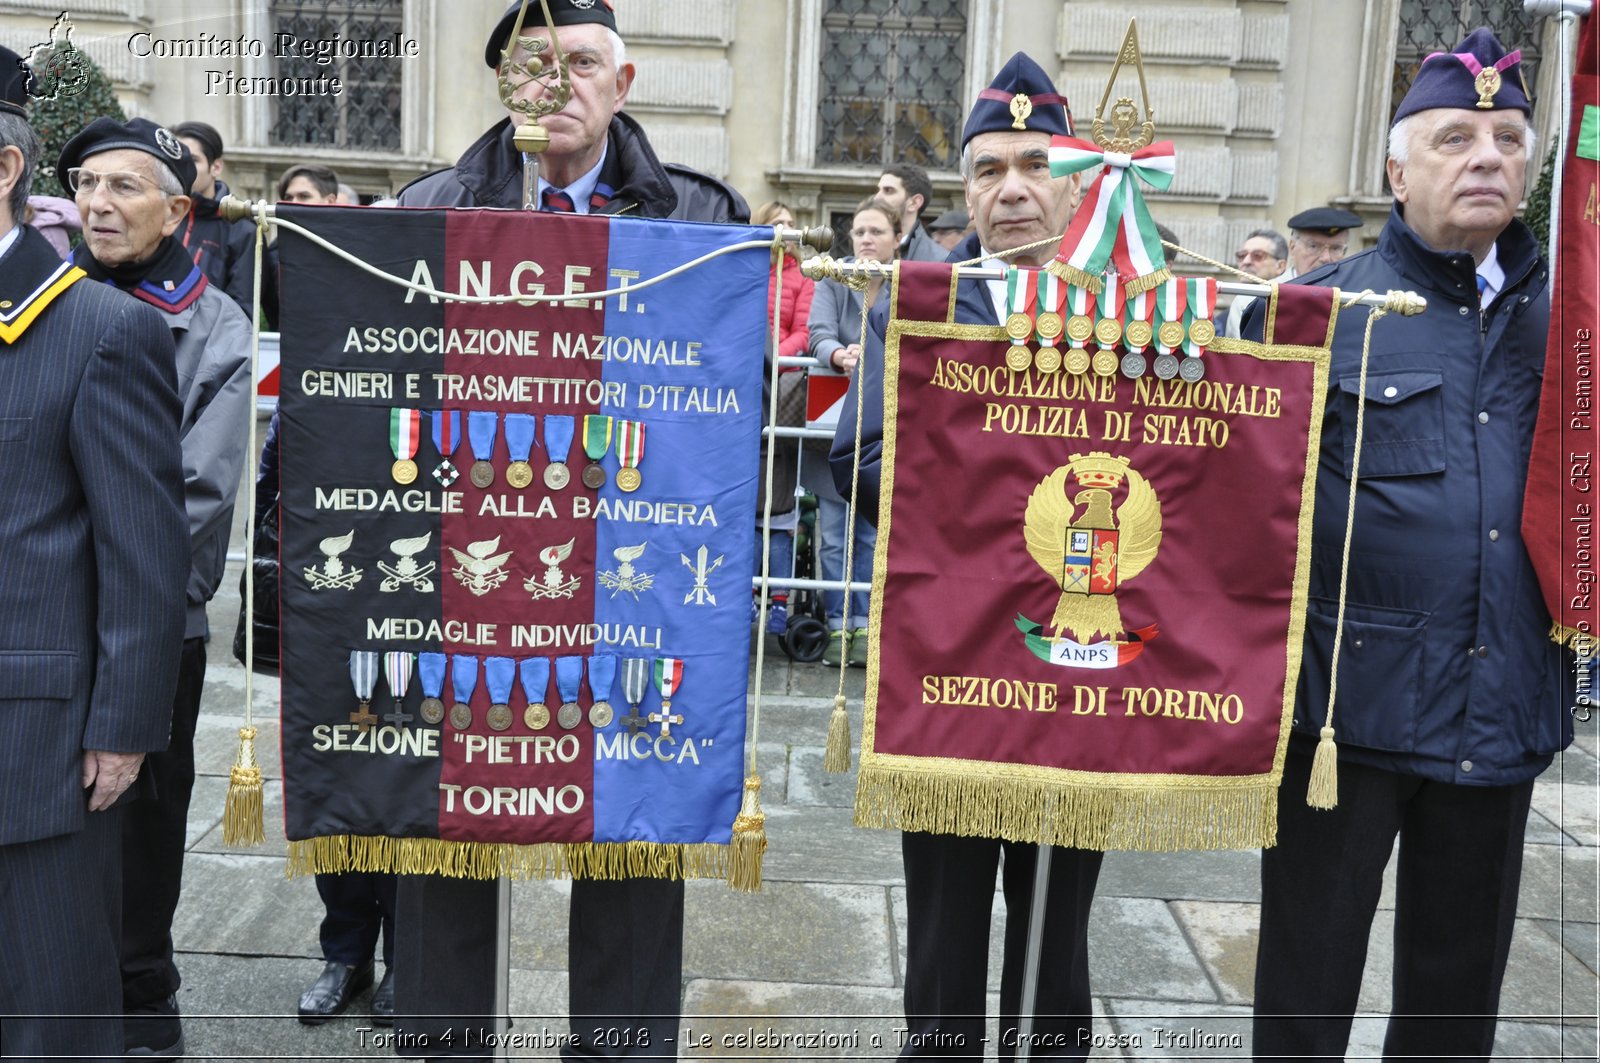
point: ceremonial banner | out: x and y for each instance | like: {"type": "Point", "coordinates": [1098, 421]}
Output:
{"type": "Point", "coordinates": [1089, 590]}
{"type": "Point", "coordinates": [516, 543]}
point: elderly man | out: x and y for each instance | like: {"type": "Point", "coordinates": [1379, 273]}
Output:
{"type": "Point", "coordinates": [906, 188]}
{"type": "Point", "coordinates": [625, 938]}
{"type": "Point", "coordinates": [950, 880]}
{"type": "Point", "coordinates": [91, 609]}
{"type": "Point", "coordinates": [1263, 254]}
{"type": "Point", "coordinates": [129, 180]}
{"type": "Point", "coordinates": [1449, 698]}
{"type": "Point", "coordinates": [1319, 236]}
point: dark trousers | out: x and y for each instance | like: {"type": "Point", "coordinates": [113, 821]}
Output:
{"type": "Point", "coordinates": [949, 896]}
{"type": "Point", "coordinates": [624, 967]}
{"type": "Point", "coordinates": [357, 905]}
{"type": "Point", "coordinates": [153, 834]}
{"type": "Point", "coordinates": [60, 906]}
{"type": "Point", "coordinates": [1455, 901]}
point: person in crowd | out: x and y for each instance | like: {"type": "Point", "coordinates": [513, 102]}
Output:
{"type": "Point", "coordinates": [56, 219]}
{"type": "Point", "coordinates": [1263, 254]}
{"type": "Point", "coordinates": [950, 228]}
{"type": "Point", "coordinates": [950, 880]}
{"type": "Point", "coordinates": [625, 937]}
{"type": "Point", "coordinates": [92, 582]}
{"type": "Point", "coordinates": [793, 337]}
{"type": "Point", "coordinates": [224, 250]}
{"type": "Point", "coordinates": [1449, 687]}
{"type": "Point", "coordinates": [906, 189]}
{"type": "Point", "coordinates": [836, 344]}
{"type": "Point", "coordinates": [130, 181]}
{"type": "Point", "coordinates": [1318, 236]}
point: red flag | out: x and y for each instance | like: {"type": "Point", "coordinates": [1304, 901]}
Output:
{"type": "Point", "coordinates": [1559, 508]}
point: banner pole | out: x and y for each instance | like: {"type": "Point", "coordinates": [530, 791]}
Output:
{"type": "Point", "coordinates": [1033, 957]}
{"type": "Point", "coordinates": [502, 970]}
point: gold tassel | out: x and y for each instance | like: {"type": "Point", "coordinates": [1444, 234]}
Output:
{"type": "Point", "coordinates": [243, 822]}
{"type": "Point", "coordinates": [1323, 790]}
{"type": "Point", "coordinates": [1074, 275]}
{"type": "Point", "coordinates": [837, 758]}
{"type": "Point", "coordinates": [749, 839]}
{"type": "Point", "coordinates": [1138, 285]}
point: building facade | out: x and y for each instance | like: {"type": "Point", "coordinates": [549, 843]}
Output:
{"type": "Point", "coordinates": [1275, 105]}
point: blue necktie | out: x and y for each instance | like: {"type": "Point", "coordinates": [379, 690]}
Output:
{"type": "Point", "coordinates": [1483, 286]}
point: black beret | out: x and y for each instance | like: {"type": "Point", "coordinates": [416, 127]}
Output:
{"type": "Point", "coordinates": [950, 221]}
{"type": "Point", "coordinates": [13, 83]}
{"type": "Point", "coordinates": [1325, 220]}
{"type": "Point", "coordinates": [1478, 74]}
{"type": "Point", "coordinates": [1021, 96]}
{"type": "Point", "coordinates": [564, 12]}
{"type": "Point", "coordinates": [140, 134]}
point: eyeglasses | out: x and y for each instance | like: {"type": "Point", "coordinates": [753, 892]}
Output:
{"type": "Point", "coordinates": [1253, 256]}
{"type": "Point", "coordinates": [1318, 249]}
{"type": "Point", "coordinates": [121, 184]}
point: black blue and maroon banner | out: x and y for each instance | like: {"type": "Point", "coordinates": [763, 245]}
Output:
{"type": "Point", "coordinates": [516, 542]}
{"type": "Point", "coordinates": [1089, 590]}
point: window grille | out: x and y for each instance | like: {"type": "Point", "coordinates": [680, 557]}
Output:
{"type": "Point", "coordinates": [891, 77]}
{"type": "Point", "coordinates": [365, 116]}
{"type": "Point", "coordinates": [1428, 26]}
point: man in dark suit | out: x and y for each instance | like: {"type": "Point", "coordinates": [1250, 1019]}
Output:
{"type": "Point", "coordinates": [91, 612]}
{"type": "Point", "coordinates": [950, 880]}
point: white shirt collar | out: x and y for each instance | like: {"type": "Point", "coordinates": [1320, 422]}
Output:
{"type": "Point", "coordinates": [582, 189]}
{"type": "Point", "coordinates": [997, 288]}
{"type": "Point", "coordinates": [1492, 272]}
{"type": "Point", "coordinates": [10, 238]}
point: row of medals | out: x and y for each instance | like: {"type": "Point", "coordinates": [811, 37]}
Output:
{"type": "Point", "coordinates": [519, 474]}
{"type": "Point", "coordinates": [1107, 333]}
{"type": "Point", "coordinates": [536, 716]}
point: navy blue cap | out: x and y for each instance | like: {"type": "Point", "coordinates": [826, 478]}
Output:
{"type": "Point", "coordinates": [563, 12]}
{"type": "Point", "coordinates": [140, 134]}
{"type": "Point", "coordinates": [1325, 220]}
{"type": "Point", "coordinates": [1021, 96]}
{"type": "Point", "coordinates": [1478, 74]}
{"type": "Point", "coordinates": [13, 83]}
{"type": "Point", "coordinates": [950, 221]}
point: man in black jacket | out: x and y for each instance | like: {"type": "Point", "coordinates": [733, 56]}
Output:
{"type": "Point", "coordinates": [625, 938]}
{"type": "Point", "coordinates": [224, 250]}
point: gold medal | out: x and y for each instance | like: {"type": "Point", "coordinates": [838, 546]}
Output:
{"type": "Point", "coordinates": [1487, 83]}
{"type": "Point", "coordinates": [1018, 358]}
{"type": "Point", "coordinates": [1049, 325]}
{"type": "Point", "coordinates": [569, 715]}
{"type": "Point", "coordinates": [1139, 333]}
{"type": "Point", "coordinates": [557, 475]}
{"type": "Point", "coordinates": [629, 479]}
{"type": "Point", "coordinates": [1079, 328]}
{"type": "Point", "coordinates": [499, 717]}
{"type": "Point", "coordinates": [537, 717]}
{"type": "Point", "coordinates": [460, 716]}
{"type": "Point", "coordinates": [600, 715]}
{"type": "Point", "coordinates": [1077, 362]}
{"type": "Point", "coordinates": [405, 471]}
{"type": "Point", "coordinates": [431, 711]}
{"type": "Point", "coordinates": [519, 474]}
{"type": "Point", "coordinates": [1105, 363]}
{"type": "Point", "coordinates": [1019, 327]}
{"type": "Point", "coordinates": [1170, 334]}
{"type": "Point", "coordinates": [1047, 360]}
{"type": "Point", "coordinates": [1108, 332]}
{"type": "Point", "coordinates": [1202, 331]}
{"type": "Point", "coordinates": [481, 474]}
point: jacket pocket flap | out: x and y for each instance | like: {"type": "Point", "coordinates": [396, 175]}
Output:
{"type": "Point", "coordinates": [33, 674]}
{"type": "Point", "coordinates": [1390, 388]}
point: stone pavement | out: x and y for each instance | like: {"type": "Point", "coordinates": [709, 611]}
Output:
{"type": "Point", "coordinates": [820, 950]}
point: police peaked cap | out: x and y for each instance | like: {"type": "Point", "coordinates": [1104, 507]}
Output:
{"type": "Point", "coordinates": [564, 12]}
{"type": "Point", "coordinates": [1478, 74]}
{"type": "Point", "coordinates": [140, 134]}
{"type": "Point", "coordinates": [1047, 110]}
{"type": "Point", "coordinates": [13, 83]}
{"type": "Point", "coordinates": [1325, 220]}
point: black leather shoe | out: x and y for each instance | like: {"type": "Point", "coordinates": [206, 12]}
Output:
{"type": "Point", "coordinates": [333, 990]}
{"type": "Point", "coordinates": [383, 1000]}
{"type": "Point", "coordinates": [153, 1030]}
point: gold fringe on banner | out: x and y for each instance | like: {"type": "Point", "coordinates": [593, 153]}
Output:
{"type": "Point", "coordinates": [243, 821]}
{"type": "Point", "coordinates": [1074, 275]}
{"type": "Point", "coordinates": [1577, 641]}
{"type": "Point", "coordinates": [333, 854]}
{"type": "Point", "coordinates": [1137, 816]}
{"type": "Point", "coordinates": [1139, 285]}
{"type": "Point", "coordinates": [837, 757]}
{"type": "Point", "coordinates": [749, 839]}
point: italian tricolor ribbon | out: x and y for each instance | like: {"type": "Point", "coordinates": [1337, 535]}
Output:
{"type": "Point", "coordinates": [1113, 227]}
{"type": "Point", "coordinates": [404, 426]}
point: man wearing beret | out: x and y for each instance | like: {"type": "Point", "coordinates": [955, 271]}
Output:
{"type": "Point", "coordinates": [91, 611]}
{"type": "Point", "coordinates": [1318, 236]}
{"type": "Point", "coordinates": [1013, 201]}
{"type": "Point", "coordinates": [131, 180]}
{"type": "Point", "coordinates": [625, 937]}
{"type": "Point", "coordinates": [1449, 698]}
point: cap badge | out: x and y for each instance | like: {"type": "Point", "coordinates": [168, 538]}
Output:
{"type": "Point", "coordinates": [1487, 83]}
{"type": "Point", "coordinates": [1021, 108]}
{"type": "Point", "coordinates": [168, 144]}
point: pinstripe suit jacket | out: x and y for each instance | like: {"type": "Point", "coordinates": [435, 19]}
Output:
{"type": "Point", "coordinates": [94, 544]}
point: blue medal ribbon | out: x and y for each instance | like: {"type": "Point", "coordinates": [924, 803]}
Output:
{"type": "Point", "coordinates": [519, 435]}
{"type": "Point", "coordinates": [569, 675]}
{"type": "Point", "coordinates": [602, 675]}
{"type": "Point", "coordinates": [430, 673]}
{"type": "Point", "coordinates": [498, 672]}
{"type": "Point", "coordinates": [464, 677]}
{"type": "Point", "coordinates": [535, 679]}
{"type": "Point", "coordinates": [363, 673]}
{"type": "Point", "coordinates": [482, 426]}
{"type": "Point", "coordinates": [635, 679]}
{"type": "Point", "coordinates": [558, 430]}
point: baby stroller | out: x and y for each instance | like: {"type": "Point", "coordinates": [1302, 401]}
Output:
{"type": "Point", "coordinates": [807, 636]}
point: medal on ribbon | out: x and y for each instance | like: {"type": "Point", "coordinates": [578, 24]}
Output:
{"type": "Point", "coordinates": [1047, 323]}
{"type": "Point", "coordinates": [1108, 329]}
{"type": "Point", "coordinates": [1202, 300]}
{"type": "Point", "coordinates": [463, 681]}
{"type": "Point", "coordinates": [363, 676]}
{"type": "Point", "coordinates": [558, 444]}
{"type": "Point", "coordinates": [1018, 357]}
{"type": "Point", "coordinates": [569, 684]}
{"type": "Point", "coordinates": [630, 452]}
{"type": "Point", "coordinates": [397, 669]}
{"type": "Point", "coordinates": [596, 442]}
{"type": "Point", "coordinates": [430, 673]}
{"type": "Point", "coordinates": [602, 676]}
{"type": "Point", "coordinates": [669, 676]}
{"type": "Point", "coordinates": [535, 683]}
{"type": "Point", "coordinates": [1137, 333]}
{"type": "Point", "coordinates": [482, 428]}
{"type": "Point", "coordinates": [446, 437]}
{"type": "Point", "coordinates": [519, 444]}
{"type": "Point", "coordinates": [1171, 301]}
{"type": "Point", "coordinates": [498, 673]}
{"type": "Point", "coordinates": [635, 681]}
{"type": "Point", "coordinates": [405, 427]}
{"type": "Point", "coordinates": [1080, 328]}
